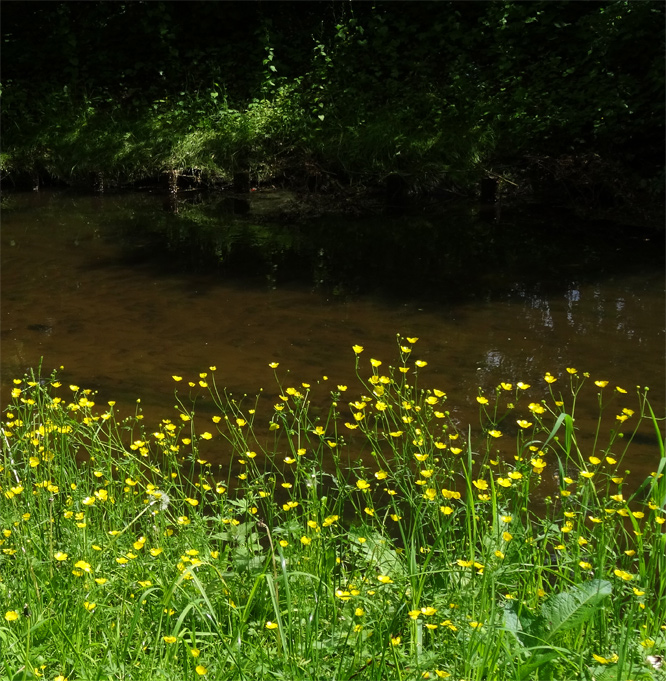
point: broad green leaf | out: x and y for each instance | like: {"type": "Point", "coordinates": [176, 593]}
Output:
{"type": "Point", "coordinates": [382, 555]}
{"type": "Point", "coordinates": [512, 624]}
{"type": "Point", "coordinates": [539, 660]}
{"type": "Point", "coordinates": [570, 608]}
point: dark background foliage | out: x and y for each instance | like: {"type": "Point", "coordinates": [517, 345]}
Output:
{"type": "Point", "coordinates": [430, 90]}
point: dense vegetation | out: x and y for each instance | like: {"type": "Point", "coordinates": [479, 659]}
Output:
{"type": "Point", "coordinates": [327, 94]}
{"type": "Point", "coordinates": [353, 532]}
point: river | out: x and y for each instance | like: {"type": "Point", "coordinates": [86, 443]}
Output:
{"type": "Point", "coordinates": [124, 294]}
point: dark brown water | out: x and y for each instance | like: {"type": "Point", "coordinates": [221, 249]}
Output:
{"type": "Point", "coordinates": [83, 287]}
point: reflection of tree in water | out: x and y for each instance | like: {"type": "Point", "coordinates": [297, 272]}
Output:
{"type": "Point", "coordinates": [448, 255]}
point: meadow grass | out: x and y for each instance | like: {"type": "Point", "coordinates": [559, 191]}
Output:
{"type": "Point", "coordinates": [375, 538]}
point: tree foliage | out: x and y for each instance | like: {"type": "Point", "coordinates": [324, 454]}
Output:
{"type": "Point", "coordinates": [434, 91]}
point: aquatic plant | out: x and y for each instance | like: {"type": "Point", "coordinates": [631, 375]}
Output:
{"type": "Point", "coordinates": [348, 533]}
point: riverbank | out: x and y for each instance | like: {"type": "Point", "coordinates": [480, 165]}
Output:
{"type": "Point", "coordinates": [492, 102]}
{"type": "Point", "coordinates": [376, 538]}
{"type": "Point", "coordinates": [241, 152]}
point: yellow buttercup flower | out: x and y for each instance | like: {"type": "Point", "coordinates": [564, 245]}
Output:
{"type": "Point", "coordinates": [626, 576]}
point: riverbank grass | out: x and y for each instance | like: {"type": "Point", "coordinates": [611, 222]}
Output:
{"type": "Point", "coordinates": [374, 537]}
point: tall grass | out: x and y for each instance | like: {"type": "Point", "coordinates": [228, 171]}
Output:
{"type": "Point", "coordinates": [374, 538]}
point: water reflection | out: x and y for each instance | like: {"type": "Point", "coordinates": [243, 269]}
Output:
{"type": "Point", "coordinates": [124, 295]}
